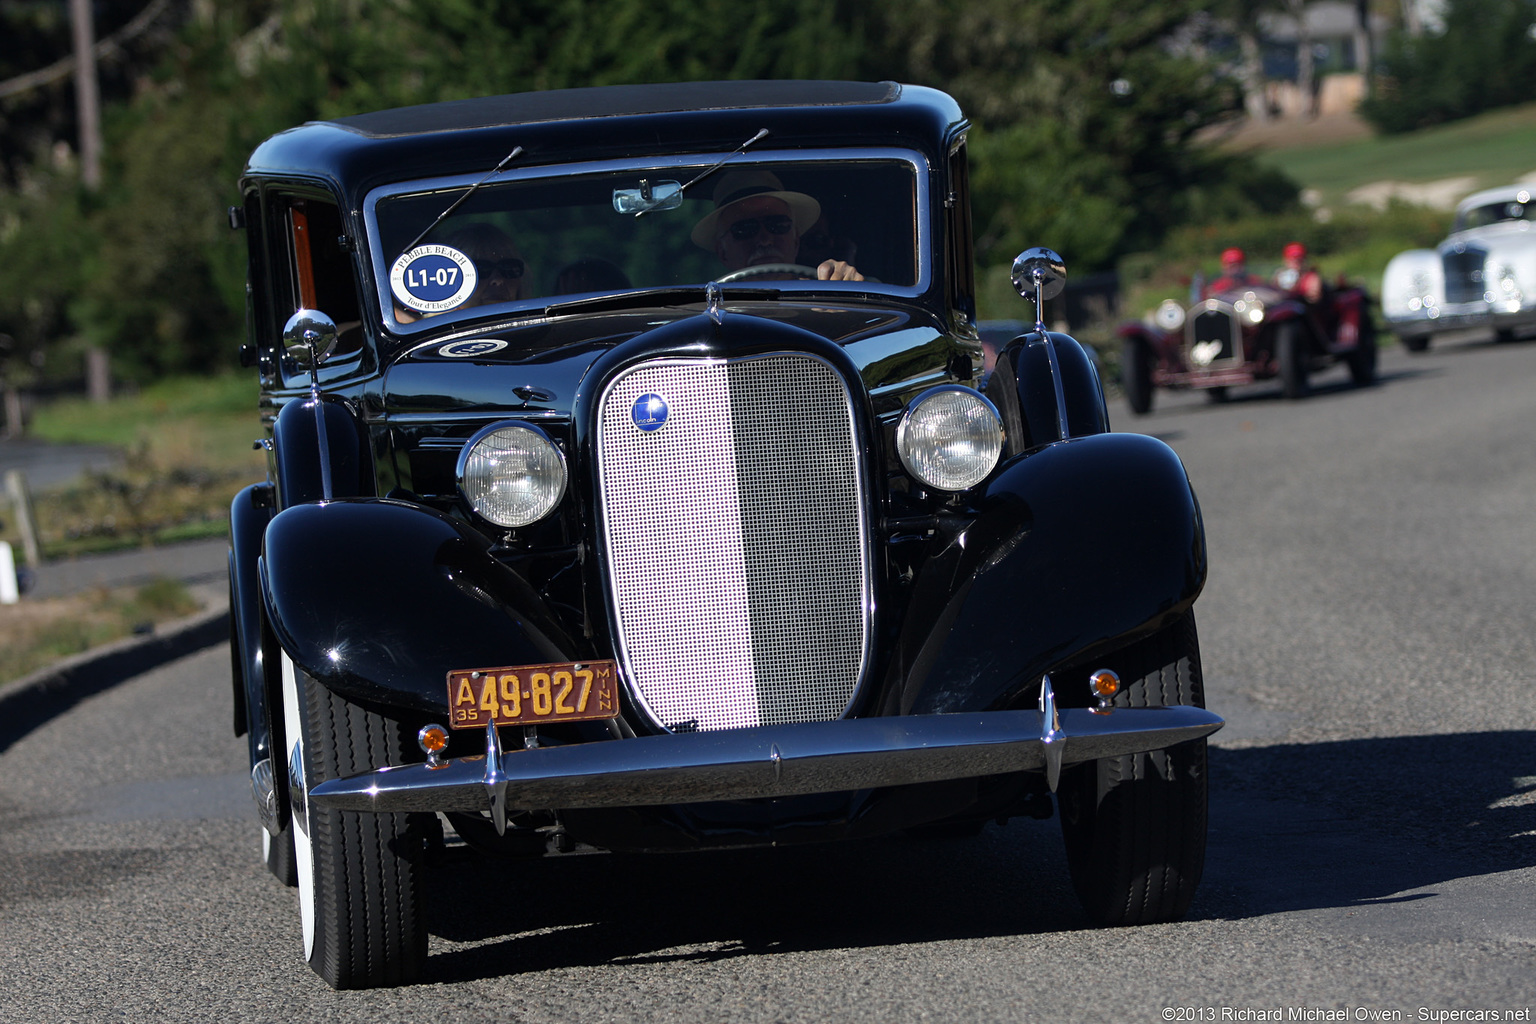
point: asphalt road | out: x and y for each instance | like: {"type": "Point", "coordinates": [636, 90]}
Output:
{"type": "Point", "coordinates": [1367, 631]}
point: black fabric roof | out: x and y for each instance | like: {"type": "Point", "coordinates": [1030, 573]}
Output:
{"type": "Point", "coordinates": [613, 101]}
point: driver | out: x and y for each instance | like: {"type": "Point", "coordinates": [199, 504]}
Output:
{"type": "Point", "coordinates": [1234, 273]}
{"type": "Point", "coordinates": [756, 222]}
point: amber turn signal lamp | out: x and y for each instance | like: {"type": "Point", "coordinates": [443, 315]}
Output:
{"type": "Point", "coordinates": [434, 740]}
{"type": "Point", "coordinates": [1104, 684]}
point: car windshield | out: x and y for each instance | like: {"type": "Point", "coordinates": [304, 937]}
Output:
{"type": "Point", "coordinates": [1493, 213]}
{"type": "Point", "coordinates": [537, 237]}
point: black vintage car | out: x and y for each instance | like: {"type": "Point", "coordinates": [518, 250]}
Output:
{"type": "Point", "coordinates": [632, 488]}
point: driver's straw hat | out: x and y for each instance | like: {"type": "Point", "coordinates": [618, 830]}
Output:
{"type": "Point", "coordinates": [734, 186]}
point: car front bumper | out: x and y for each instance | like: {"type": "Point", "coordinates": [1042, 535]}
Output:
{"type": "Point", "coordinates": [768, 761]}
{"type": "Point", "coordinates": [1499, 315]}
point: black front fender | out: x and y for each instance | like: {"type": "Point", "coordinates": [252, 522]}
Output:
{"type": "Point", "coordinates": [1024, 383]}
{"type": "Point", "coordinates": [249, 513]}
{"type": "Point", "coordinates": [1070, 552]}
{"type": "Point", "coordinates": [379, 599]}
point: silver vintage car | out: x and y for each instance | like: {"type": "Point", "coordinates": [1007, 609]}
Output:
{"type": "Point", "coordinates": [1482, 275]}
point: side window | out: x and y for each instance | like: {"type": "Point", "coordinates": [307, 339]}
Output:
{"type": "Point", "coordinates": [309, 244]}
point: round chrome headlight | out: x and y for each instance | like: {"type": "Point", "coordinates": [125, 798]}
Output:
{"type": "Point", "coordinates": [1169, 316]}
{"type": "Point", "coordinates": [512, 474]}
{"type": "Point", "coordinates": [950, 438]}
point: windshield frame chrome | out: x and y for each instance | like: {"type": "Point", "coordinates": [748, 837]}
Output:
{"type": "Point", "coordinates": [675, 163]}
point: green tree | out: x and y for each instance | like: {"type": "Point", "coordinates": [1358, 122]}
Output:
{"type": "Point", "coordinates": [1485, 58]}
{"type": "Point", "coordinates": [1089, 117]}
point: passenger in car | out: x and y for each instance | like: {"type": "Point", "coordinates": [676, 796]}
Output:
{"type": "Point", "coordinates": [1296, 275]}
{"type": "Point", "coordinates": [500, 268]}
{"type": "Point", "coordinates": [756, 222]}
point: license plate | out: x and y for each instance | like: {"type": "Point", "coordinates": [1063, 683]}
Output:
{"type": "Point", "coordinates": [532, 694]}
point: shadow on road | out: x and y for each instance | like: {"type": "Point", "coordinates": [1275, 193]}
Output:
{"type": "Point", "coordinates": [1359, 821]}
{"type": "Point", "coordinates": [1293, 827]}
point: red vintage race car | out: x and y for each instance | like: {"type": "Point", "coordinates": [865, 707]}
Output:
{"type": "Point", "coordinates": [1248, 333]}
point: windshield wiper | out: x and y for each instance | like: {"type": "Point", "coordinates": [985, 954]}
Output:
{"type": "Point", "coordinates": [460, 201]}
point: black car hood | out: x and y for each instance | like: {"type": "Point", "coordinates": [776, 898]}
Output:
{"type": "Point", "coordinates": [537, 366]}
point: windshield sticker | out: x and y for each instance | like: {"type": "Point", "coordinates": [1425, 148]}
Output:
{"type": "Point", "coordinates": [477, 347]}
{"type": "Point", "coordinates": [432, 278]}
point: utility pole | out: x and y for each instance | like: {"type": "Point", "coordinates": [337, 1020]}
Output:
{"type": "Point", "coordinates": [88, 112]}
{"type": "Point", "coordinates": [87, 92]}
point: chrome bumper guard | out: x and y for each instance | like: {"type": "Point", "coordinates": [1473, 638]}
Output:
{"type": "Point", "coordinates": [768, 761]}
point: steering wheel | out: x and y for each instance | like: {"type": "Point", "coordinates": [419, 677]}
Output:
{"type": "Point", "coordinates": [798, 269]}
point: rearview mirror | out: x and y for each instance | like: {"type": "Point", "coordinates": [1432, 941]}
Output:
{"type": "Point", "coordinates": [661, 195]}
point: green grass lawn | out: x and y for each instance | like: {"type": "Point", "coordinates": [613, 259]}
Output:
{"type": "Point", "coordinates": [187, 448]}
{"type": "Point", "coordinates": [1492, 149]}
{"type": "Point", "coordinates": [207, 422]}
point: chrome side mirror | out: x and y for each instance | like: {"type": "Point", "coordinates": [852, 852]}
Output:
{"type": "Point", "coordinates": [309, 338]}
{"type": "Point", "coordinates": [1041, 272]}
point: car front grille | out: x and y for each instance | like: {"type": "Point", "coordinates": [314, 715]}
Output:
{"type": "Point", "coordinates": [1211, 334]}
{"type": "Point", "coordinates": [736, 541]}
{"type": "Point", "coordinates": [1464, 274]}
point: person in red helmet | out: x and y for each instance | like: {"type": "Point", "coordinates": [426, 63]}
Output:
{"type": "Point", "coordinates": [1234, 273]}
{"type": "Point", "coordinates": [1297, 276]}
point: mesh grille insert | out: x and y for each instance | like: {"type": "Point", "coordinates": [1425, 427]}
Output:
{"type": "Point", "coordinates": [735, 541]}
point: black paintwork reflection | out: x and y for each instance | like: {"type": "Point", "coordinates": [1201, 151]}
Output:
{"type": "Point", "coordinates": [249, 514]}
{"type": "Point", "coordinates": [554, 356]}
{"type": "Point", "coordinates": [380, 599]}
{"type": "Point", "coordinates": [296, 441]}
{"type": "Point", "coordinates": [1025, 362]}
{"type": "Point", "coordinates": [1068, 551]}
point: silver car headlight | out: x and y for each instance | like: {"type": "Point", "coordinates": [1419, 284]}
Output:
{"type": "Point", "coordinates": [1169, 316]}
{"type": "Point", "coordinates": [512, 474]}
{"type": "Point", "coordinates": [950, 438]}
{"type": "Point", "coordinates": [1251, 307]}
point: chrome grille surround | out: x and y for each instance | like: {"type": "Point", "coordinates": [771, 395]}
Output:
{"type": "Point", "coordinates": [1213, 324]}
{"type": "Point", "coordinates": [736, 540]}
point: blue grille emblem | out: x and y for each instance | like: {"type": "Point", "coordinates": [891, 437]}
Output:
{"type": "Point", "coordinates": [649, 412]}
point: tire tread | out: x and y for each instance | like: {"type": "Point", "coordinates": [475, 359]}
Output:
{"type": "Point", "coordinates": [369, 926]}
{"type": "Point", "coordinates": [1135, 825]}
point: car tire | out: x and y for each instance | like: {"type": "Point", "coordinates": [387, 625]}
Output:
{"type": "Point", "coordinates": [1362, 361]}
{"type": "Point", "coordinates": [359, 893]}
{"type": "Point", "coordinates": [1217, 395]}
{"type": "Point", "coordinates": [1291, 352]}
{"type": "Point", "coordinates": [1135, 826]}
{"type": "Point", "coordinates": [1415, 342]}
{"type": "Point", "coordinates": [1136, 376]}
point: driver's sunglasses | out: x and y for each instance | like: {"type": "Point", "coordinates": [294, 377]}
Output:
{"type": "Point", "coordinates": [510, 268]}
{"type": "Point", "coordinates": [775, 223]}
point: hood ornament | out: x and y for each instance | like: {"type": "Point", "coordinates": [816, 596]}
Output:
{"type": "Point", "coordinates": [712, 295]}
